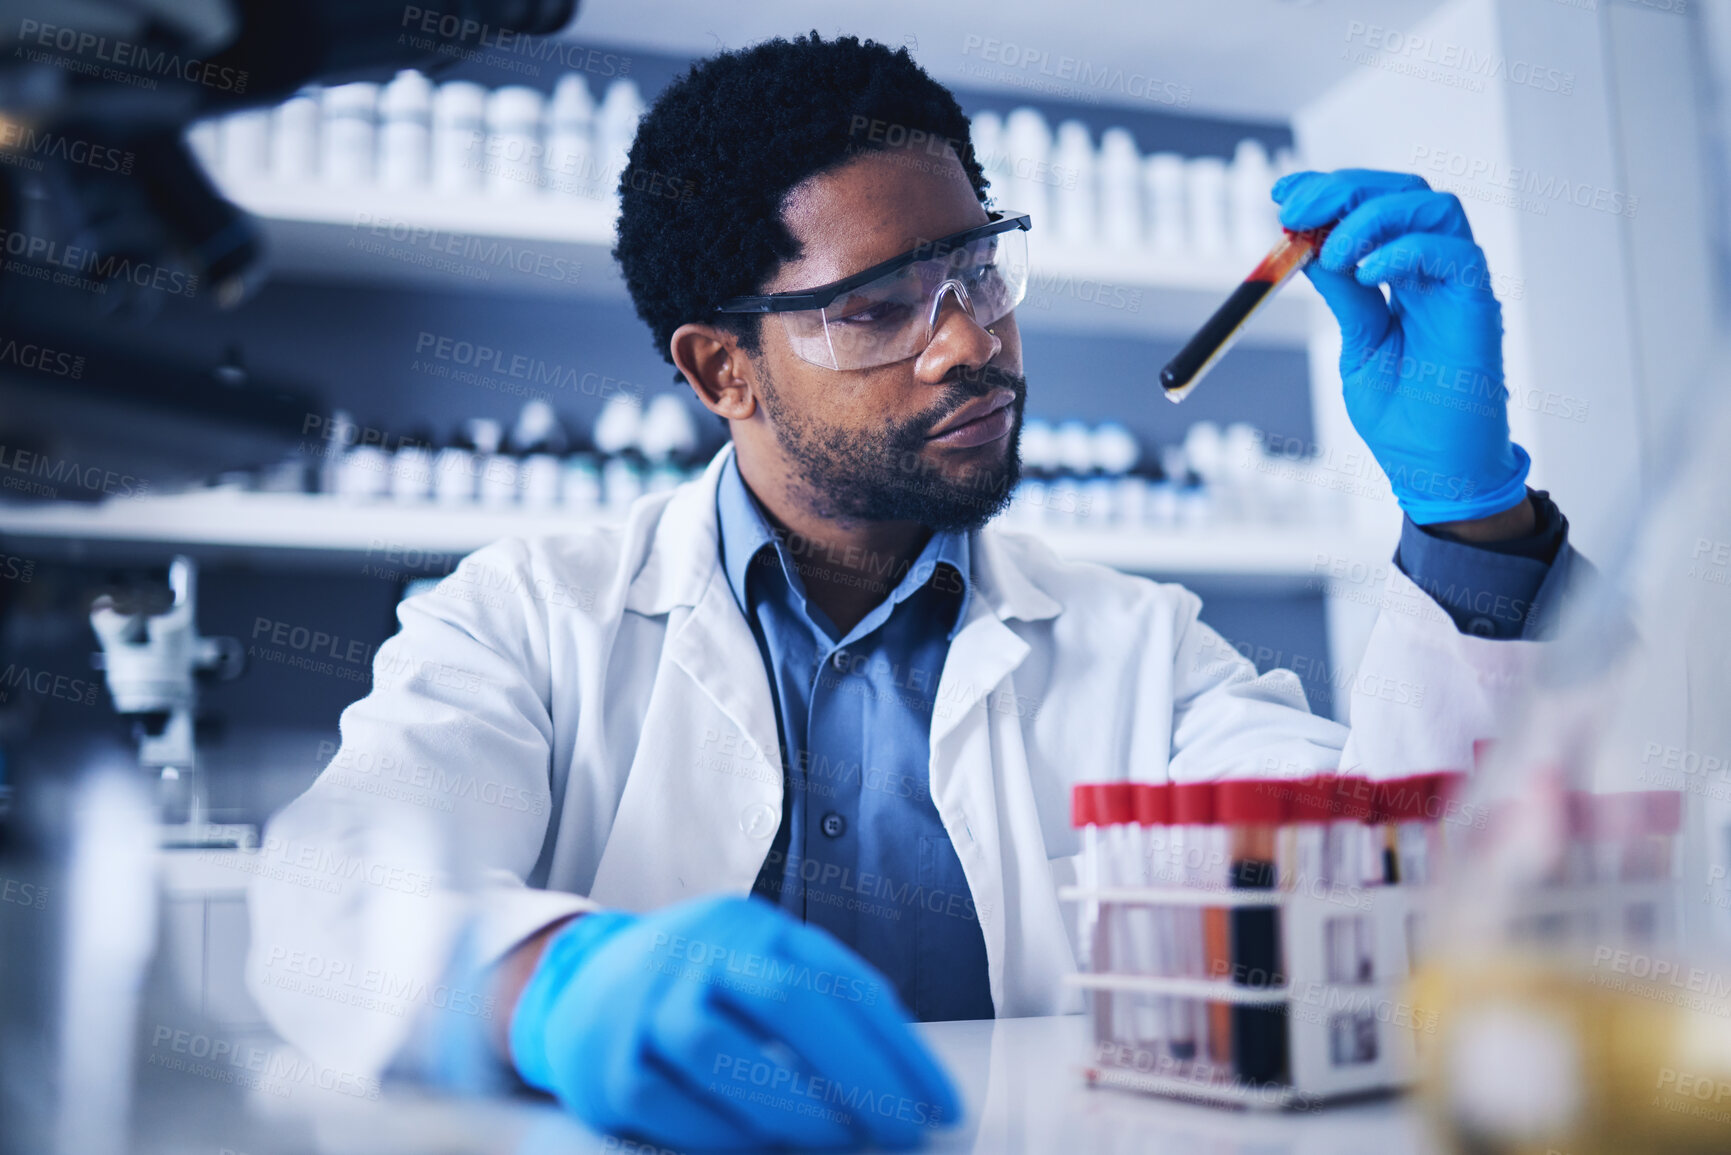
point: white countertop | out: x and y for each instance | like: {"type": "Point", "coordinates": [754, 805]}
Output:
{"type": "Point", "coordinates": [1019, 1078]}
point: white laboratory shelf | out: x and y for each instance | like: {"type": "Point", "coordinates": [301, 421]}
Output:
{"type": "Point", "coordinates": [387, 530]}
{"type": "Point", "coordinates": [563, 247]}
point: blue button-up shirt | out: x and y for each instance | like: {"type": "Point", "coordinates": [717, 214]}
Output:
{"type": "Point", "coordinates": [861, 851]}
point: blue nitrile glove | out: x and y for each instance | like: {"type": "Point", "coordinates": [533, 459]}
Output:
{"type": "Point", "coordinates": [1423, 370]}
{"type": "Point", "coordinates": [722, 1022]}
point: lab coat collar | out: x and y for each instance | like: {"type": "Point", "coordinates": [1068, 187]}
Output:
{"type": "Point", "coordinates": [684, 557]}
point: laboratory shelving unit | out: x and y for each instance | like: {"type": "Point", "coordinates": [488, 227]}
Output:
{"type": "Point", "coordinates": [427, 239]}
{"type": "Point", "coordinates": [1270, 556]}
{"type": "Point", "coordinates": [419, 238]}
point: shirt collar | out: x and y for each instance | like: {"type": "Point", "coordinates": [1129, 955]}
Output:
{"type": "Point", "coordinates": [746, 532]}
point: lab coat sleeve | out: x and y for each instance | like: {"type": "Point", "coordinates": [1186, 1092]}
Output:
{"type": "Point", "coordinates": [1424, 692]}
{"type": "Point", "coordinates": [422, 829]}
{"type": "Point", "coordinates": [1229, 721]}
{"type": "Point", "coordinates": [1421, 695]}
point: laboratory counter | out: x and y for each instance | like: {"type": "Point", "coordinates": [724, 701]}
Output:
{"type": "Point", "coordinates": [1020, 1080]}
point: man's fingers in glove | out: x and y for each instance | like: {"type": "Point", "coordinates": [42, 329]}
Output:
{"type": "Point", "coordinates": [766, 1092]}
{"type": "Point", "coordinates": [1382, 219]}
{"type": "Point", "coordinates": [1419, 260]}
{"type": "Point", "coordinates": [628, 1091]}
{"type": "Point", "coordinates": [1361, 310]}
{"type": "Point", "coordinates": [888, 1021]}
{"type": "Point", "coordinates": [842, 1020]}
{"type": "Point", "coordinates": [1309, 200]}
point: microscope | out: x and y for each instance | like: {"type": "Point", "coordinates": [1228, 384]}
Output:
{"type": "Point", "coordinates": [153, 663]}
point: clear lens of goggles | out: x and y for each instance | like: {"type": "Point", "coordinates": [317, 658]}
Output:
{"type": "Point", "coordinates": [892, 318]}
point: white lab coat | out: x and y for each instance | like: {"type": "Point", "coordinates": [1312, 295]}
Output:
{"type": "Point", "coordinates": [584, 721]}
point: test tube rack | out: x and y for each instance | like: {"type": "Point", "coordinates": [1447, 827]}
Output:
{"type": "Point", "coordinates": [1249, 942]}
{"type": "Point", "coordinates": [1334, 1010]}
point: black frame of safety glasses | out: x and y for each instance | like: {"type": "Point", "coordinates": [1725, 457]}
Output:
{"type": "Point", "coordinates": [800, 300]}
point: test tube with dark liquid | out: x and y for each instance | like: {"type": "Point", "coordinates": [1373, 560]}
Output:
{"type": "Point", "coordinates": [1293, 251]}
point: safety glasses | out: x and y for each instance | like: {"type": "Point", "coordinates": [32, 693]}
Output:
{"type": "Point", "coordinates": [887, 313]}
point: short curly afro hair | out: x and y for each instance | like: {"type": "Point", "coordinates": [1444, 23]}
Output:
{"type": "Point", "coordinates": [702, 190]}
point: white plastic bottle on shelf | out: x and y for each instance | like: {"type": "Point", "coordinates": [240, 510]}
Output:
{"type": "Point", "coordinates": [580, 491]}
{"type": "Point", "coordinates": [454, 473]}
{"type": "Point", "coordinates": [349, 141]}
{"type": "Point", "coordinates": [570, 157]}
{"type": "Point", "coordinates": [667, 428]}
{"type": "Point", "coordinates": [1123, 496]}
{"type": "Point", "coordinates": [496, 472]}
{"type": "Point", "coordinates": [1254, 223]}
{"type": "Point", "coordinates": [619, 425]}
{"type": "Point", "coordinates": [511, 159]}
{"type": "Point", "coordinates": [615, 128]}
{"type": "Point", "coordinates": [412, 471]}
{"type": "Point", "coordinates": [1120, 187]}
{"type": "Point", "coordinates": [991, 149]}
{"type": "Point", "coordinates": [458, 134]}
{"type": "Point", "coordinates": [986, 135]}
{"type": "Point", "coordinates": [1067, 502]}
{"type": "Point", "coordinates": [406, 131]}
{"type": "Point", "coordinates": [1205, 197]}
{"type": "Point", "coordinates": [1072, 180]}
{"type": "Point", "coordinates": [1205, 452]}
{"type": "Point", "coordinates": [1241, 447]}
{"type": "Point", "coordinates": [1028, 155]}
{"type": "Point", "coordinates": [205, 140]}
{"type": "Point", "coordinates": [1039, 458]}
{"type": "Point", "coordinates": [622, 482]}
{"type": "Point", "coordinates": [1163, 494]}
{"type": "Point", "coordinates": [342, 433]}
{"type": "Point", "coordinates": [1168, 219]}
{"type": "Point", "coordinates": [246, 145]}
{"type": "Point", "coordinates": [1074, 444]}
{"type": "Point", "coordinates": [540, 476]}
{"type": "Point", "coordinates": [538, 438]}
{"type": "Point", "coordinates": [363, 469]}
{"type": "Point", "coordinates": [1115, 448]}
{"type": "Point", "coordinates": [294, 138]}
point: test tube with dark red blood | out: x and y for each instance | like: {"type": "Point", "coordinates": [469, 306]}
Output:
{"type": "Point", "coordinates": [1252, 812]}
{"type": "Point", "coordinates": [1291, 253]}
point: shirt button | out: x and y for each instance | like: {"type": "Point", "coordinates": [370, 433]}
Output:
{"type": "Point", "coordinates": [759, 820]}
{"type": "Point", "coordinates": [834, 824]}
{"type": "Point", "coordinates": [839, 661]}
{"type": "Point", "coordinates": [1481, 627]}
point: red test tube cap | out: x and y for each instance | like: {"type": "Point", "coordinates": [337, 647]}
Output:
{"type": "Point", "coordinates": [1115, 804]}
{"type": "Point", "coordinates": [1313, 799]}
{"type": "Point", "coordinates": [1448, 784]}
{"type": "Point", "coordinates": [1353, 797]}
{"type": "Point", "coordinates": [1153, 803]}
{"type": "Point", "coordinates": [1663, 811]}
{"type": "Point", "coordinates": [1251, 801]}
{"type": "Point", "coordinates": [1193, 803]}
{"type": "Point", "coordinates": [1403, 799]}
{"type": "Point", "coordinates": [1082, 809]}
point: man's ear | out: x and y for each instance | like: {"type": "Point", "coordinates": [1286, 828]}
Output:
{"type": "Point", "coordinates": [712, 364]}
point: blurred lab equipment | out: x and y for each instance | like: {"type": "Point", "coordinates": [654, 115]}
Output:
{"type": "Point", "coordinates": [164, 209]}
{"type": "Point", "coordinates": [1581, 980]}
{"type": "Point", "coordinates": [152, 662]}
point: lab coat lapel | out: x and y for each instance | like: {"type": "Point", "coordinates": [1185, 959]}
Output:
{"type": "Point", "coordinates": [703, 798]}
{"type": "Point", "coordinates": [972, 740]}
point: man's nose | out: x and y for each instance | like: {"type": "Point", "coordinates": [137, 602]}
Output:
{"type": "Point", "coordinates": [956, 335]}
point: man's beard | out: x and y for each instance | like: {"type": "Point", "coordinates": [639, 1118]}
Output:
{"type": "Point", "coordinates": [881, 474]}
